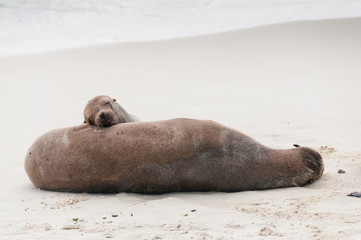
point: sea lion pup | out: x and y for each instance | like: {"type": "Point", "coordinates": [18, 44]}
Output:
{"type": "Point", "coordinates": [104, 111]}
{"type": "Point", "coordinates": [164, 156]}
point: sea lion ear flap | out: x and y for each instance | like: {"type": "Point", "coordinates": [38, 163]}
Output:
{"type": "Point", "coordinates": [84, 122]}
{"type": "Point", "coordinates": [114, 100]}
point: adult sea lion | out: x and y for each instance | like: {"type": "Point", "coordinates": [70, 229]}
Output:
{"type": "Point", "coordinates": [164, 156]}
{"type": "Point", "coordinates": [104, 111]}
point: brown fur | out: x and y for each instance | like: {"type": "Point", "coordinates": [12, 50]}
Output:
{"type": "Point", "coordinates": [164, 156]}
{"type": "Point", "coordinates": [104, 111]}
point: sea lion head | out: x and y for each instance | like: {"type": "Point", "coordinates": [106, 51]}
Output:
{"type": "Point", "coordinates": [104, 111]}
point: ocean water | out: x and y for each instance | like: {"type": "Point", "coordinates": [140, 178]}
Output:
{"type": "Point", "coordinates": [28, 26]}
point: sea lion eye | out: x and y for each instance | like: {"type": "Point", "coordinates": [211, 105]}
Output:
{"type": "Point", "coordinates": [107, 103]}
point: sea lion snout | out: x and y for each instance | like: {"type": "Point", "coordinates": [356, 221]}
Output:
{"type": "Point", "coordinates": [313, 161]}
{"type": "Point", "coordinates": [106, 118]}
{"type": "Point", "coordinates": [102, 115]}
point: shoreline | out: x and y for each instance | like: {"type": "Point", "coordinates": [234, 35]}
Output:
{"type": "Point", "coordinates": [118, 43]}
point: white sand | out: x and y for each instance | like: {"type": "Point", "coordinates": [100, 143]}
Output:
{"type": "Point", "coordinates": [281, 84]}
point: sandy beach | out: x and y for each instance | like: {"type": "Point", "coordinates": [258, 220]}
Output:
{"type": "Point", "coordinates": [282, 84]}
